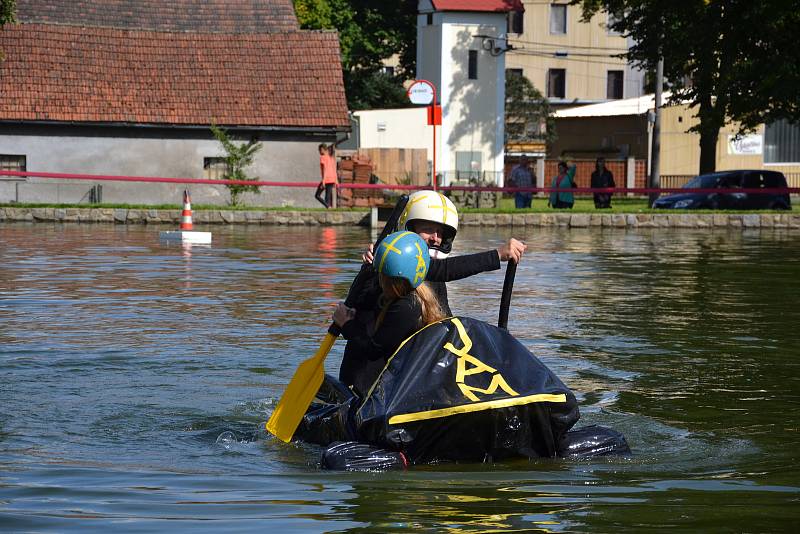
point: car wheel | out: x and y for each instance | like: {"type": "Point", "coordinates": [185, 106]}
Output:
{"type": "Point", "coordinates": [778, 206]}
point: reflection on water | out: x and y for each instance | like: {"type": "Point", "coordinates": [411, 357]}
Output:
{"type": "Point", "coordinates": [137, 376]}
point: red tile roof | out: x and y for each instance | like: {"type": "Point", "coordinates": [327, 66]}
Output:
{"type": "Point", "coordinates": [503, 6]}
{"type": "Point", "coordinates": [105, 75]}
{"type": "Point", "coordinates": [206, 16]}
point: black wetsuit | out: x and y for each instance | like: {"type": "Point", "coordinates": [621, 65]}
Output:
{"type": "Point", "coordinates": [363, 362]}
{"type": "Point", "coordinates": [375, 343]}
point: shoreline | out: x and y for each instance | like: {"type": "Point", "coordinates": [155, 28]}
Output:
{"type": "Point", "coordinates": [364, 218]}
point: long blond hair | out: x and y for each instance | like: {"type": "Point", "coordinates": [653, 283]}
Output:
{"type": "Point", "coordinates": [395, 287]}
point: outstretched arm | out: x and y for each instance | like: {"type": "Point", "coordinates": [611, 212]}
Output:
{"type": "Point", "coordinates": [459, 267]}
{"type": "Point", "coordinates": [571, 173]}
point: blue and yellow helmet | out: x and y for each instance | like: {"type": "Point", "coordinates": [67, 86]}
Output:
{"type": "Point", "coordinates": [403, 255]}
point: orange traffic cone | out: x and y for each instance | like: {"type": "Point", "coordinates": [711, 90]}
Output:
{"type": "Point", "coordinates": [186, 234]}
{"type": "Point", "coordinates": [186, 216]}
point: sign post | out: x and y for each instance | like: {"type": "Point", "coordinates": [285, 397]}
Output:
{"type": "Point", "coordinates": [423, 92]}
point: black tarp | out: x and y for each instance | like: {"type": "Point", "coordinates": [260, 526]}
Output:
{"type": "Point", "coordinates": [464, 390]}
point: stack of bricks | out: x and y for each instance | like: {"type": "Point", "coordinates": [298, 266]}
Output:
{"type": "Point", "coordinates": [357, 170]}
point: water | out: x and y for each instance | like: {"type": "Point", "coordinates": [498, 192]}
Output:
{"type": "Point", "coordinates": [135, 379]}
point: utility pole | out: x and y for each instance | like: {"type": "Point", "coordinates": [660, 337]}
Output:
{"type": "Point", "coordinates": [655, 165]}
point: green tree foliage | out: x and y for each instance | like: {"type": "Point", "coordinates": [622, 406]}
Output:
{"type": "Point", "coordinates": [369, 32]}
{"type": "Point", "coordinates": [7, 15]}
{"type": "Point", "coordinates": [529, 116]}
{"type": "Point", "coordinates": [7, 10]}
{"type": "Point", "coordinates": [237, 158]}
{"type": "Point", "coordinates": [371, 90]}
{"type": "Point", "coordinates": [733, 60]}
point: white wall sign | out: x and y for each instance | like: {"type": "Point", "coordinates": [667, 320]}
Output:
{"type": "Point", "coordinates": [747, 145]}
{"type": "Point", "coordinates": [420, 93]}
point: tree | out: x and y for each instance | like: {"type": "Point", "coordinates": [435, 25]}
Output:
{"type": "Point", "coordinates": [733, 60]}
{"type": "Point", "coordinates": [369, 32]}
{"type": "Point", "coordinates": [529, 116]}
{"type": "Point", "coordinates": [7, 15]}
{"type": "Point", "coordinates": [369, 90]}
{"type": "Point", "coordinates": [7, 11]}
{"type": "Point", "coordinates": [237, 158]}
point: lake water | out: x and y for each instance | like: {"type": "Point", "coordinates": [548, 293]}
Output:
{"type": "Point", "coordinates": [136, 377]}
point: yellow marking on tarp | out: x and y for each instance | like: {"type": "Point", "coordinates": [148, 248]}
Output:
{"type": "Point", "coordinates": [478, 367]}
{"type": "Point", "coordinates": [476, 407]}
{"type": "Point", "coordinates": [369, 393]}
{"type": "Point", "coordinates": [497, 382]}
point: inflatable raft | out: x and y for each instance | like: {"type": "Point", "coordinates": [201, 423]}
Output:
{"type": "Point", "coordinates": [459, 390]}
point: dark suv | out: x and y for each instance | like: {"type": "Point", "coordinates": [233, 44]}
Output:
{"type": "Point", "coordinates": [728, 195]}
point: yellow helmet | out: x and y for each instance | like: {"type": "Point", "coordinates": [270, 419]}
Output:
{"type": "Point", "coordinates": [435, 207]}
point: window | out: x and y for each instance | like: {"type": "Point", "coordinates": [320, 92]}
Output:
{"type": "Point", "coordinates": [614, 84]}
{"type": "Point", "coordinates": [773, 179]}
{"type": "Point", "coordinates": [513, 72]}
{"type": "Point", "coordinates": [12, 163]}
{"type": "Point", "coordinates": [214, 168]}
{"type": "Point", "coordinates": [782, 142]}
{"type": "Point", "coordinates": [732, 180]}
{"type": "Point", "coordinates": [473, 65]}
{"type": "Point", "coordinates": [752, 180]}
{"type": "Point", "coordinates": [468, 165]}
{"type": "Point", "coordinates": [556, 83]}
{"type": "Point", "coordinates": [516, 22]}
{"type": "Point", "coordinates": [389, 71]}
{"type": "Point", "coordinates": [429, 19]}
{"type": "Point", "coordinates": [558, 18]}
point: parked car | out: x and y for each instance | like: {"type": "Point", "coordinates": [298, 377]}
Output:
{"type": "Point", "coordinates": [727, 195]}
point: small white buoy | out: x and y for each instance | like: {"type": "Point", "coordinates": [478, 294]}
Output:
{"type": "Point", "coordinates": [186, 234]}
{"type": "Point", "coordinates": [198, 238]}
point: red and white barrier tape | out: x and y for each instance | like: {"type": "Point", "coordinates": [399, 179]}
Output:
{"type": "Point", "coordinates": [398, 187]}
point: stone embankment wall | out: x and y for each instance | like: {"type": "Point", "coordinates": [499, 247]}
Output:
{"type": "Point", "coordinates": [351, 218]}
{"type": "Point", "coordinates": [634, 220]}
{"type": "Point", "coordinates": [153, 216]}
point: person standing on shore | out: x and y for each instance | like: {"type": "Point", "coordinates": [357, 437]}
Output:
{"type": "Point", "coordinates": [601, 178]}
{"type": "Point", "coordinates": [522, 176]}
{"type": "Point", "coordinates": [328, 175]}
{"type": "Point", "coordinates": [323, 161]}
{"type": "Point", "coordinates": [564, 180]}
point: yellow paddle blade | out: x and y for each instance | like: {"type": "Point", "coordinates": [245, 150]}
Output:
{"type": "Point", "coordinates": [299, 393]}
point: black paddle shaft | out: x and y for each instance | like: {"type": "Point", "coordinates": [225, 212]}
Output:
{"type": "Point", "coordinates": [366, 269]}
{"type": "Point", "coordinates": [505, 300]}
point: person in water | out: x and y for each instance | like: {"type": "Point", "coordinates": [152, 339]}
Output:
{"type": "Point", "coordinates": [405, 305]}
{"type": "Point", "coordinates": [434, 218]}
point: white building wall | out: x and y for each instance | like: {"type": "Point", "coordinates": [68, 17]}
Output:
{"type": "Point", "coordinates": [429, 57]}
{"type": "Point", "coordinates": [395, 128]}
{"type": "Point", "coordinates": [472, 110]}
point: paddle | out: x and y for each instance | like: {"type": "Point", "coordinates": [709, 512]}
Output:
{"type": "Point", "coordinates": [505, 300]}
{"type": "Point", "coordinates": [309, 374]}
